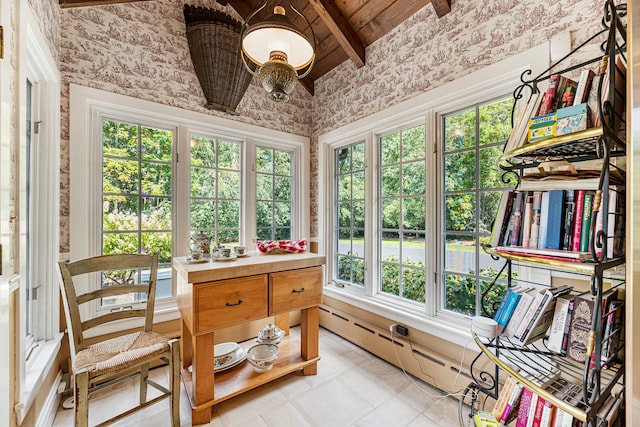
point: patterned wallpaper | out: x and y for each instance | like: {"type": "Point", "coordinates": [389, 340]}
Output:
{"type": "Point", "coordinates": [47, 13]}
{"type": "Point", "coordinates": [140, 49]}
{"type": "Point", "coordinates": [426, 52]}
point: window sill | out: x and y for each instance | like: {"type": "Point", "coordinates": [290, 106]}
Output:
{"type": "Point", "coordinates": [454, 331]}
{"type": "Point", "coordinates": [163, 313]}
{"type": "Point", "coordinates": [37, 369]}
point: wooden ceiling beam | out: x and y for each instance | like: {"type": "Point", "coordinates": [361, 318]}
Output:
{"type": "Point", "coordinates": [341, 30]}
{"type": "Point", "coordinates": [442, 7]}
{"type": "Point", "coordinates": [82, 3]}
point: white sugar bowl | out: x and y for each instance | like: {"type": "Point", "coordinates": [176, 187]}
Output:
{"type": "Point", "coordinates": [263, 356]}
{"type": "Point", "coordinates": [270, 334]}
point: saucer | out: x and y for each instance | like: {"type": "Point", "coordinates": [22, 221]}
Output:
{"type": "Point", "coordinates": [196, 261]}
{"type": "Point", "coordinates": [243, 255]}
{"type": "Point", "coordinates": [229, 258]}
{"type": "Point", "coordinates": [239, 357]}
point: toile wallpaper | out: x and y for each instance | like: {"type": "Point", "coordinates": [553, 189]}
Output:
{"type": "Point", "coordinates": [141, 50]}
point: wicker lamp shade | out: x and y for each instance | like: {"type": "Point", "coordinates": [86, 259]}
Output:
{"type": "Point", "coordinates": [214, 43]}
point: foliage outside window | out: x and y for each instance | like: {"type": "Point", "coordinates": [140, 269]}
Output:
{"type": "Point", "coordinates": [274, 190]}
{"type": "Point", "coordinates": [350, 212]}
{"type": "Point", "coordinates": [402, 198]}
{"type": "Point", "coordinates": [472, 141]}
{"type": "Point", "coordinates": [215, 186]}
{"type": "Point", "coordinates": [137, 199]}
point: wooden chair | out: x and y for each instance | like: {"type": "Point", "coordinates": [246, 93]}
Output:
{"type": "Point", "coordinates": [112, 360]}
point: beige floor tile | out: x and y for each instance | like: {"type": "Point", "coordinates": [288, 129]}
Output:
{"type": "Point", "coordinates": [331, 404]}
{"type": "Point", "coordinates": [242, 408]}
{"type": "Point", "coordinates": [284, 415]}
{"type": "Point", "coordinates": [392, 413]}
{"type": "Point", "coordinates": [424, 421]}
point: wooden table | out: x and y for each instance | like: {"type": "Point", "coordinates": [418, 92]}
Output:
{"type": "Point", "coordinates": [215, 295]}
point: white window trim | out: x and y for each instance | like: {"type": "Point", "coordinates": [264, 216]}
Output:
{"type": "Point", "coordinates": [88, 105]}
{"type": "Point", "coordinates": [502, 77]}
{"type": "Point", "coordinates": [37, 64]}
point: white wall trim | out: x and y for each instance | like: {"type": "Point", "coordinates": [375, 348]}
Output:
{"type": "Point", "coordinates": [50, 408]}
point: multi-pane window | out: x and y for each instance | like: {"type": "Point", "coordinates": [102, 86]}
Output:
{"type": "Point", "coordinates": [30, 288]}
{"type": "Point", "coordinates": [402, 213]}
{"type": "Point", "coordinates": [472, 141]}
{"type": "Point", "coordinates": [350, 213]}
{"type": "Point", "coordinates": [215, 188]}
{"type": "Point", "coordinates": [137, 200]}
{"type": "Point", "coordinates": [274, 193]}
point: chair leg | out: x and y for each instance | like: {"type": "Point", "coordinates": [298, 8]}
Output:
{"type": "Point", "coordinates": [144, 374]}
{"type": "Point", "coordinates": [174, 367]}
{"type": "Point", "coordinates": [81, 399]}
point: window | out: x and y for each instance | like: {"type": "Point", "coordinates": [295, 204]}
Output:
{"type": "Point", "coordinates": [145, 177]}
{"type": "Point", "coordinates": [403, 193]}
{"type": "Point", "coordinates": [350, 213]}
{"type": "Point", "coordinates": [472, 142]}
{"type": "Point", "coordinates": [274, 202]}
{"type": "Point", "coordinates": [36, 188]}
{"type": "Point", "coordinates": [215, 189]}
{"type": "Point", "coordinates": [427, 168]}
{"type": "Point", "coordinates": [137, 200]}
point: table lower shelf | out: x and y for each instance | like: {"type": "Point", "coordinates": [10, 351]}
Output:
{"type": "Point", "coordinates": [242, 378]}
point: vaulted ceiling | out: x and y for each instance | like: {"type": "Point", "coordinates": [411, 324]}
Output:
{"type": "Point", "coordinates": [343, 28]}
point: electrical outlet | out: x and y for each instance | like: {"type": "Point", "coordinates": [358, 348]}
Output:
{"type": "Point", "coordinates": [402, 330]}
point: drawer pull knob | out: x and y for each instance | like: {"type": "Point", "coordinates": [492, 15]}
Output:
{"type": "Point", "coordinates": [297, 291]}
{"type": "Point", "coordinates": [231, 305]}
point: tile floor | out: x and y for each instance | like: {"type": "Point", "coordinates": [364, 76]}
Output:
{"type": "Point", "coordinates": [352, 388]}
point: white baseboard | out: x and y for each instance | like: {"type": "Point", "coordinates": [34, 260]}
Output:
{"type": "Point", "coordinates": [50, 407]}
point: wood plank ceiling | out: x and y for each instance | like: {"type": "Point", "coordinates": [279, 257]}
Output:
{"type": "Point", "coordinates": [343, 28]}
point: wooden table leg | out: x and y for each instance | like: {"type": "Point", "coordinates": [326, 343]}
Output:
{"type": "Point", "coordinates": [282, 322]}
{"type": "Point", "coordinates": [309, 326]}
{"type": "Point", "coordinates": [202, 376]}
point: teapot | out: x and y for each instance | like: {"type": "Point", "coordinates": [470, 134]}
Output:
{"type": "Point", "coordinates": [200, 241]}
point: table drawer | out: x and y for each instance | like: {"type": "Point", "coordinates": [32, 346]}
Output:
{"type": "Point", "coordinates": [229, 302]}
{"type": "Point", "coordinates": [295, 289]}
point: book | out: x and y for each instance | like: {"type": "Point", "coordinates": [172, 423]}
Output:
{"type": "Point", "coordinates": [569, 210]}
{"type": "Point", "coordinates": [547, 414]}
{"type": "Point", "coordinates": [544, 212]}
{"type": "Point", "coordinates": [537, 412]}
{"type": "Point", "coordinates": [566, 99]}
{"type": "Point", "coordinates": [503, 397]}
{"type": "Point", "coordinates": [554, 220]}
{"type": "Point", "coordinates": [562, 419]}
{"type": "Point", "coordinates": [612, 331]}
{"type": "Point", "coordinates": [526, 221]}
{"type": "Point", "coordinates": [546, 253]}
{"type": "Point", "coordinates": [527, 398]}
{"type": "Point", "coordinates": [517, 219]}
{"type": "Point", "coordinates": [587, 214]}
{"type": "Point", "coordinates": [526, 298]}
{"type": "Point", "coordinates": [512, 403]}
{"type": "Point", "coordinates": [560, 319]}
{"type": "Point", "coordinates": [616, 225]}
{"type": "Point", "coordinates": [485, 419]}
{"type": "Point", "coordinates": [518, 136]}
{"type": "Point", "coordinates": [542, 317]}
{"type": "Point", "coordinates": [577, 226]}
{"type": "Point", "coordinates": [535, 219]}
{"type": "Point", "coordinates": [502, 218]}
{"type": "Point", "coordinates": [565, 335]}
{"type": "Point", "coordinates": [504, 312]}
{"type": "Point", "coordinates": [584, 87]}
{"type": "Point", "coordinates": [580, 327]}
{"type": "Point", "coordinates": [549, 96]}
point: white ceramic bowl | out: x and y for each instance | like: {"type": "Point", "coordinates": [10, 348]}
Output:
{"type": "Point", "coordinates": [263, 356]}
{"type": "Point", "coordinates": [224, 352]}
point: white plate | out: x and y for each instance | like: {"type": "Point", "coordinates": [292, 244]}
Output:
{"type": "Point", "coordinates": [240, 356]}
{"type": "Point", "coordinates": [243, 255]}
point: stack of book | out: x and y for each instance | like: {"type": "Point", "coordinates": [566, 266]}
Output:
{"type": "Point", "coordinates": [557, 224]}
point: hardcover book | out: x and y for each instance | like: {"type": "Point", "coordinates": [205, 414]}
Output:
{"type": "Point", "coordinates": [526, 221]}
{"type": "Point", "coordinates": [587, 214]}
{"type": "Point", "coordinates": [527, 398]}
{"type": "Point", "coordinates": [580, 327]}
{"type": "Point", "coordinates": [535, 219]}
{"type": "Point", "coordinates": [577, 227]}
{"type": "Point", "coordinates": [569, 210]}
{"type": "Point", "coordinates": [560, 319]}
{"type": "Point", "coordinates": [554, 220]}
{"type": "Point", "coordinates": [544, 218]}
{"type": "Point", "coordinates": [584, 87]}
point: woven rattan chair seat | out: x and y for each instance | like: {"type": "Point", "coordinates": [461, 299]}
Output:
{"type": "Point", "coordinates": [120, 352]}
